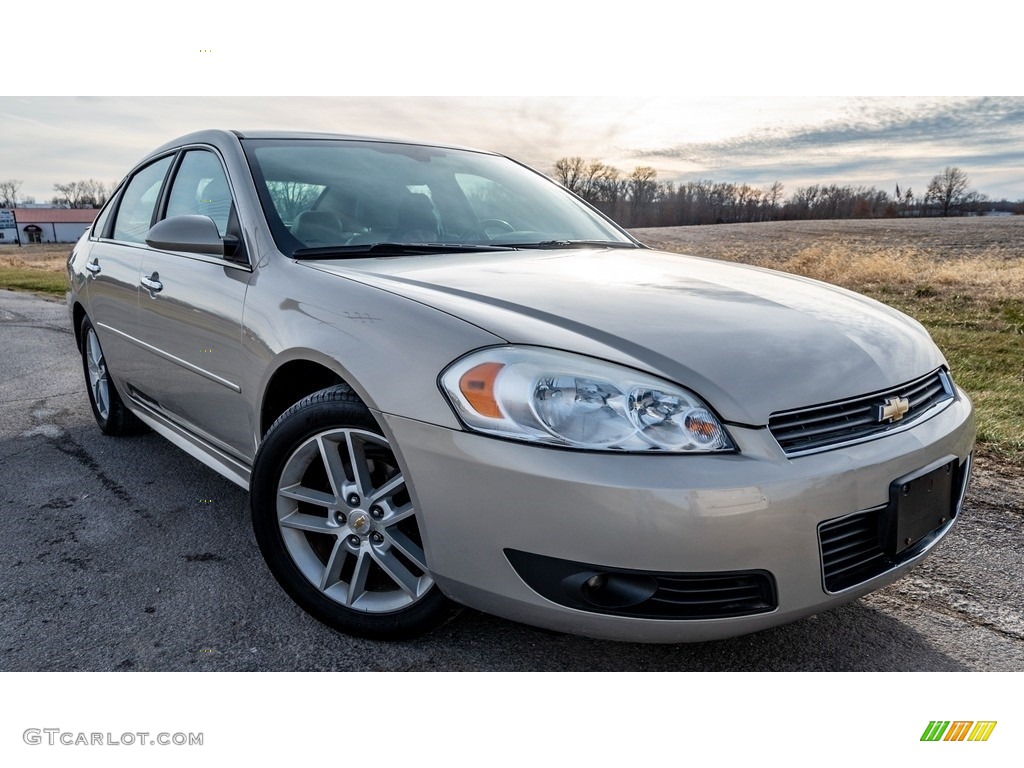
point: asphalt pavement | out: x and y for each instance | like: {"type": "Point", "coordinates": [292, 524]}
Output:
{"type": "Point", "coordinates": [127, 554]}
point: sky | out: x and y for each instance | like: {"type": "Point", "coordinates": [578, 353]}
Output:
{"type": "Point", "coordinates": [798, 140]}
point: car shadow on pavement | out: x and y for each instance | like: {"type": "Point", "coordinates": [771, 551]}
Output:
{"type": "Point", "coordinates": [848, 638]}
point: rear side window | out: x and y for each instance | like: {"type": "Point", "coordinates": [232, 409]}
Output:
{"type": "Point", "coordinates": [200, 187]}
{"type": "Point", "coordinates": [100, 225]}
{"type": "Point", "coordinates": [135, 213]}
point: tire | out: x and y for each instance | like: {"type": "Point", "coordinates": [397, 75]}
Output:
{"type": "Point", "coordinates": [112, 416]}
{"type": "Point", "coordinates": [335, 522]}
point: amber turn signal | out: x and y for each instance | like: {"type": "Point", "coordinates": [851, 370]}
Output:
{"type": "Point", "coordinates": [477, 386]}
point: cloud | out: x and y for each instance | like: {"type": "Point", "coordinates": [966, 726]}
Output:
{"type": "Point", "coordinates": [798, 140]}
{"type": "Point", "coordinates": [869, 141]}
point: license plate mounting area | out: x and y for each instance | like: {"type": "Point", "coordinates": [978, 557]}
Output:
{"type": "Point", "coordinates": [919, 503]}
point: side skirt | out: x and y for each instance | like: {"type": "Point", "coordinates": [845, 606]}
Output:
{"type": "Point", "coordinates": [216, 459]}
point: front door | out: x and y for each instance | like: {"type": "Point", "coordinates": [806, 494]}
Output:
{"type": "Point", "coordinates": [190, 319]}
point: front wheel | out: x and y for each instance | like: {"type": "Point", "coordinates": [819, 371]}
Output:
{"type": "Point", "coordinates": [336, 524]}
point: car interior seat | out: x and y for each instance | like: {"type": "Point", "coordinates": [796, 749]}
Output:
{"type": "Point", "coordinates": [317, 228]}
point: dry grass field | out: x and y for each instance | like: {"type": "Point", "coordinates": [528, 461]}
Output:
{"type": "Point", "coordinates": [962, 278]}
{"type": "Point", "coordinates": [42, 256]}
{"type": "Point", "coordinates": [38, 268]}
{"type": "Point", "coordinates": [978, 257]}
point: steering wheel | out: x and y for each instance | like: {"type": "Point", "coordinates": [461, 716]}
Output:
{"type": "Point", "coordinates": [481, 230]}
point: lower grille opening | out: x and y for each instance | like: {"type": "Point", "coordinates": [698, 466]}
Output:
{"type": "Point", "coordinates": [646, 594]}
{"type": "Point", "coordinates": [855, 548]}
{"type": "Point", "coordinates": [851, 550]}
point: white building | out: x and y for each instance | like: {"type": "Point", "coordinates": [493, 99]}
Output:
{"type": "Point", "coordinates": [44, 225]}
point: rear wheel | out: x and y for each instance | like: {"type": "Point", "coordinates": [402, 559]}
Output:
{"type": "Point", "coordinates": [112, 416]}
{"type": "Point", "coordinates": [336, 524]}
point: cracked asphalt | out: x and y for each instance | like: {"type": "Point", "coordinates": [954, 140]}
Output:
{"type": "Point", "coordinates": [127, 554]}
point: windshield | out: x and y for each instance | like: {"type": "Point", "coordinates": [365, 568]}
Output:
{"type": "Point", "coordinates": [334, 197]}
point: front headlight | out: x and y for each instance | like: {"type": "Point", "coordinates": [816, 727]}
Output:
{"type": "Point", "coordinates": [558, 398]}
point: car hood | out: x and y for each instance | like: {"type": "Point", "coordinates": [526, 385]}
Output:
{"type": "Point", "coordinates": [749, 341]}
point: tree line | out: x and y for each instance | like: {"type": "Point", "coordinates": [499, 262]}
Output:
{"type": "Point", "coordinates": [638, 199]}
{"type": "Point", "coordinates": [84, 193]}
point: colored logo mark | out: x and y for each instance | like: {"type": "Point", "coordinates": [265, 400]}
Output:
{"type": "Point", "coordinates": [958, 730]}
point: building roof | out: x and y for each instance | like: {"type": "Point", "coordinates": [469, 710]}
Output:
{"type": "Point", "coordinates": [55, 215]}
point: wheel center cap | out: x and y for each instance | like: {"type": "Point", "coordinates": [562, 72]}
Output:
{"type": "Point", "coordinates": [359, 522]}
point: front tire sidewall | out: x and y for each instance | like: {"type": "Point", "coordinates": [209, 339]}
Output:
{"type": "Point", "coordinates": [336, 407]}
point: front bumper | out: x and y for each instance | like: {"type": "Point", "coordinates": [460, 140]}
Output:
{"type": "Point", "coordinates": [754, 511]}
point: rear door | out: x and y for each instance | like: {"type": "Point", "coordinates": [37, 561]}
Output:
{"type": "Point", "coordinates": [113, 267]}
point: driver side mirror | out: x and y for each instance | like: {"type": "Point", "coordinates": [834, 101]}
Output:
{"type": "Point", "coordinates": [192, 233]}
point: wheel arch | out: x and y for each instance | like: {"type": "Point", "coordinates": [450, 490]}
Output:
{"type": "Point", "coordinates": [77, 313]}
{"type": "Point", "coordinates": [296, 376]}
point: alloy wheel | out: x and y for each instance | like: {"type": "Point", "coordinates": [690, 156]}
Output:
{"type": "Point", "coordinates": [349, 524]}
{"type": "Point", "coordinates": [96, 367]}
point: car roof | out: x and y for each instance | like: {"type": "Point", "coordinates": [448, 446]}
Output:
{"type": "Point", "coordinates": [220, 137]}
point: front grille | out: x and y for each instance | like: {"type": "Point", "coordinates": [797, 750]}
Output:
{"type": "Point", "coordinates": [646, 594]}
{"type": "Point", "coordinates": [828, 426]}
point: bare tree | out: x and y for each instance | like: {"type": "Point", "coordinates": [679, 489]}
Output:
{"type": "Point", "coordinates": [608, 186]}
{"type": "Point", "coordinates": [596, 179]}
{"type": "Point", "coordinates": [949, 189]}
{"type": "Point", "coordinates": [772, 198]}
{"type": "Point", "coordinates": [9, 193]}
{"type": "Point", "coordinates": [643, 190]}
{"type": "Point", "coordinates": [85, 193]}
{"type": "Point", "coordinates": [98, 191]}
{"type": "Point", "coordinates": [592, 180]}
{"type": "Point", "coordinates": [569, 172]}
{"type": "Point", "coordinates": [908, 199]}
{"type": "Point", "coordinates": [68, 195]}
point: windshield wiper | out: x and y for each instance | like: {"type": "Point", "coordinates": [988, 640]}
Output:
{"type": "Point", "coordinates": [392, 249]}
{"type": "Point", "coordinates": [577, 244]}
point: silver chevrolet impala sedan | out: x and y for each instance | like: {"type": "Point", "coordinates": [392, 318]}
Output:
{"type": "Point", "coordinates": [446, 380]}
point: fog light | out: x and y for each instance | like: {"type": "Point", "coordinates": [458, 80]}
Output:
{"type": "Point", "coordinates": [597, 581]}
{"type": "Point", "coordinates": [617, 590]}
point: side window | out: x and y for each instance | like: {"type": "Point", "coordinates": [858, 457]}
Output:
{"type": "Point", "coordinates": [200, 187]}
{"type": "Point", "coordinates": [100, 225]}
{"type": "Point", "coordinates": [135, 213]}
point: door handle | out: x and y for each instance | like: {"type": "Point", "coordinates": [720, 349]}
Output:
{"type": "Point", "coordinates": [94, 266]}
{"type": "Point", "coordinates": [152, 282]}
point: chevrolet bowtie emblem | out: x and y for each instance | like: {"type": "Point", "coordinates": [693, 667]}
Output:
{"type": "Point", "coordinates": [894, 409]}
